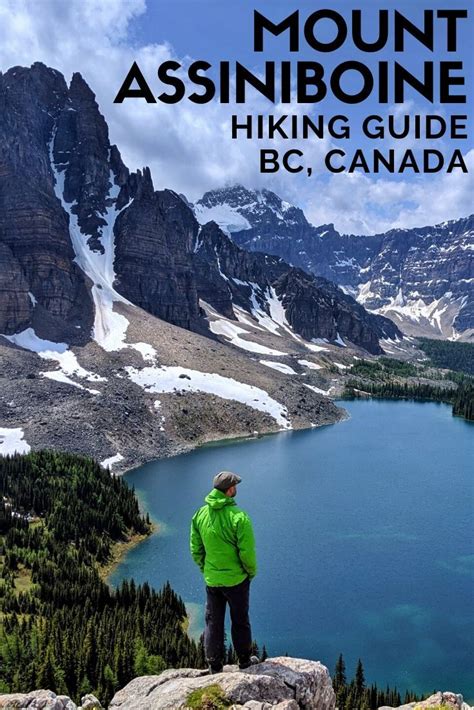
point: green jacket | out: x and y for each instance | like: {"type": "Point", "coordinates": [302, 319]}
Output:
{"type": "Point", "coordinates": [222, 542]}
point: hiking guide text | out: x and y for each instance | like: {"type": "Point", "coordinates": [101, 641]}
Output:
{"type": "Point", "coordinates": [437, 81]}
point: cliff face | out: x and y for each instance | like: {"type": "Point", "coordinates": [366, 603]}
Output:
{"type": "Point", "coordinates": [154, 237]}
{"type": "Point", "coordinates": [311, 307]}
{"type": "Point", "coordinates": [38, 271]}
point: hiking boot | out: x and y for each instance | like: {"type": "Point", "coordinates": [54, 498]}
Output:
{"type": "Point", "coordinates": [246, 663]}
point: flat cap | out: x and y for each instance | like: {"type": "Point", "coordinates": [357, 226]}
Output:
{"type": "Point", "coordinates": [225, 479]}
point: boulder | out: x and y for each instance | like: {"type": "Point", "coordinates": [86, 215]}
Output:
{"type": "Point", "coordinates": [36, 700]}
{"type": "Point", "coordinates": [281, 682]}
{"type": "Point", "coordinates": [46, 700]}
{"type": "Point", "coordinates": [90, 702]}
{"type": "Point", "coordinates": [451, 701]}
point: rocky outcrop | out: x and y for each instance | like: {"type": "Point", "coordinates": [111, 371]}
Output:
{"type": "Point", "coordinates": [450, 701]}
{"type": "Point", "coordinates": [316, 308]}
{"type": "Point", "coordinates": [282, 682]}
{"type": "Point", "coordinates": [46, 700]}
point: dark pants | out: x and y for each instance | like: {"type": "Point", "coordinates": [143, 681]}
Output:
{"type": "Point", "coordinates": [217, 598]}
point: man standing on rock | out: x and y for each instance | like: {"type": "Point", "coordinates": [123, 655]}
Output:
{"type": "Point", "coordinates": [222, 544]}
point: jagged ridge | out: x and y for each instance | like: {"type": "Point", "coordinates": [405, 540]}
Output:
{"type": "Point", "coordinates": [422, 277]}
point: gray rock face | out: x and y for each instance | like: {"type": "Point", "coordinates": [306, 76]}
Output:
{"type": "Point", "coordinates": [15, 303]}
{"type": "Point", "coordinates": [282, 682]}
{"type": "Point", "coordinates": [425, 263]}
{"type": "Point", "coordinates": [153, 256]}
{"type": "Point", "coordinates": [36, 254]}
{"type": "Point", "coordinates": [314, 307]}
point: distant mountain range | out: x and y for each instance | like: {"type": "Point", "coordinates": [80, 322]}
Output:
{"type": "Point", "coordinates": [422, 278]}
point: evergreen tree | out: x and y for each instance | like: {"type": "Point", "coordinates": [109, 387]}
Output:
{"type": "Point", "coordinates": [339, 680]}
{"type": "Point", "coordinates": [359, 678]}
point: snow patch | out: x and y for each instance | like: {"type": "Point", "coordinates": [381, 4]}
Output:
{"type": "Point", "coordinates": [325, 393]}
{"type": "Point", "coordinates": [280, 366]}
{"type": "Point", "coordinates": [60, 376]}
{"type": "Point", "coordinates": [146, 350]}
{"type": "Point", "coordinates": [277, 312]}
{"type": "Point", "coordinates": [179, 379]}
{"type": "Point", "coordinates": [232, 333]}
{"type": "Point", "coordinates": [244, 317]}
{"type": "Point", "coordinates": [227, 217]}
{"type": "Point", "coordinates": [28, 340]}
{"type": "Point", "coordinates": [365, 293]}
{"type": "Point", "coordinates": [315, 348]}
{"type": "Point", "coordinates": [265, 320]}
{"type": "Point", "coordinates": [310, 365]}
{"type": "Point", "coordinates": [57, 352]}
{"type": "Point", "coordinates": [12, 441]}
{"type": "Point", "coordinates": [108, 463]}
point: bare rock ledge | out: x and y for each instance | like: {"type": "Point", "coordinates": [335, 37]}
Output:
{"type": "Point", "coordinates": [280, 683]}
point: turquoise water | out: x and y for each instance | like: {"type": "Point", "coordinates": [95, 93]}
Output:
{"type": "Point", "coordinates": [364, 538]}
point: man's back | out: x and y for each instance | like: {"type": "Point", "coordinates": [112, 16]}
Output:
{"type": "Point", "coordinates": [222, 541]}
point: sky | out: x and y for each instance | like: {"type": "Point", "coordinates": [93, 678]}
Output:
{"type": "Point", "coordinates": [189, 147]}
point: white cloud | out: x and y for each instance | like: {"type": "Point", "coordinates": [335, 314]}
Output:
{"type": "Point", "coordinates": [359, 204]}
{"type": "Point", "coordinates": [188, 147]}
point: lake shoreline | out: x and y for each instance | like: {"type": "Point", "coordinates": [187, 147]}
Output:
{"type": "Point", "coordinates": [120, 549]}
{"type": "Point", "coordinates": [232, 439]}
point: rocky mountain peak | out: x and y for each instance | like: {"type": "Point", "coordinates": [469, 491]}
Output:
{"type": "Point", "coordinates": [79, 89]}
{"type": "Point", "coordinates": [237, 208]}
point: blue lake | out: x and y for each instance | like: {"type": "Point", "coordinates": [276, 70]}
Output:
{"type": "Point", "coordinates": [365, 540]}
